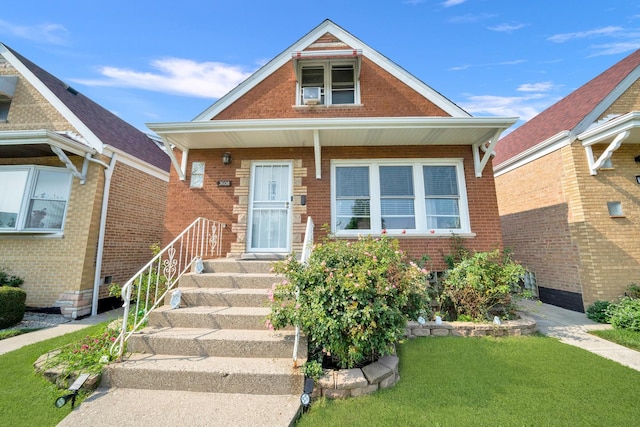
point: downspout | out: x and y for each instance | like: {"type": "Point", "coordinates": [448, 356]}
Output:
{"type": "Point", "coordinates": [108, 171]}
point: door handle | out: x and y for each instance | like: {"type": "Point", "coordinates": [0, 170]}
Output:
{"type": "Point", "coordinates": [286, 205]}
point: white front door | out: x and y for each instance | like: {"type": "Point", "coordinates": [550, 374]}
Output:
{"type": "Point", "coordinates": [270, 207]}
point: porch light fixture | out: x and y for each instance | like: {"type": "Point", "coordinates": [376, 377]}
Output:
{"type": "Point", "coordinates": [226, 158]}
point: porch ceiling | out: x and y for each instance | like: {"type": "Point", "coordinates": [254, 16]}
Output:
{"type": "Point", "coordinates": [331, 132]}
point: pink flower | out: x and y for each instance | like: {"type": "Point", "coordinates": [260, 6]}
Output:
{"type": "Point", "coordinates": [432, 231]}
{"type": "Point", "coordinates": [269, 325]}
{"type": "Point", "coordinates": [384, 231]}
{"type": "Point", "coordinates": [404, 231]}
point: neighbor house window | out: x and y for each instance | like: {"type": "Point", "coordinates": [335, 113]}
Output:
{"type": "Point", "coordinates": [335, 82]}
{"type": "Point", "coordinates": [4, 110]}
{"type": "Point", "coordinates": [33, 198]}
{"type": "Point", "coordinates": [615, 209]}
{"type": "Point", "coordinates": [421, 196]}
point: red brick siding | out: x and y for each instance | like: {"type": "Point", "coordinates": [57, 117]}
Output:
{"type": "Point", "coordinates": [382, 95]}
{"type": "Point", "coordinates": [185, 204]}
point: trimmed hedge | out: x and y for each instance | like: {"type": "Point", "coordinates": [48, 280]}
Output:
{"type": "Point", "coordinates": [12, 306]}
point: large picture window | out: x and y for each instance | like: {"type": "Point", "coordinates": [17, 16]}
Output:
{"type": "Point", "coordinates": [33, 198]}
{"type": "Point", "coordinates": [409, 197]}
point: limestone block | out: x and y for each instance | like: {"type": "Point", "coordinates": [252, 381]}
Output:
{"type": "Point", "coordinates": [440, 332]}
{"type": "Point", "coordinates": [376, 372]}
{"type": "Point", "coordinates": [347, 379]}
{"type": "Point", "coordinates": [389, 382]}
{"type": "Point", "coordinates": [390, 362]}
{"type": "Point", "coordinates": [478, 333]}
{"type": "Point", "coordinates": [327, 380]}
{"type": "Point", "coordinates": [371, 388]}
{"type": "Point", "coordinates": [336, 394]}
{"type": "Point", "coordinates": [422, 332]}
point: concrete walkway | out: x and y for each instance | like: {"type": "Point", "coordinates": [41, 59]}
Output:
{"type": "Point", "coordinates": [572, 328]}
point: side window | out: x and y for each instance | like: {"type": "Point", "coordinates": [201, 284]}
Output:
{"type": "Point", "coordinates": [441, 197]}
{"type": "Point", "coordinates": [353, 201]}
{"type": "Point", "coordinates": [396, 197]}
{"type": "Point", "coordinates": [342, 84]}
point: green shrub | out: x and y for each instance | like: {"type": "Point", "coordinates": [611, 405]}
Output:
{"type": "Point", "coordinates": [12, 306]}
{"type": "Point", "coordinates": [480, 286]}
{"type": "Point", "coordinates": [7, 279]}
{"type": "Point", "coordinates": [633, 291]}
{"type": "Point", "coordinates": [625, 314]}
{"type": "Point", "coordinates": [598, 311]}
{"type": "Point", "coordinates": [355, 298]}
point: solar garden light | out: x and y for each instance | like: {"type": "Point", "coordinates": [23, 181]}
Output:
{"type": "Point", "coordinates": [75, 387]}
{"type": "Point", "coordinates": [305, 398]}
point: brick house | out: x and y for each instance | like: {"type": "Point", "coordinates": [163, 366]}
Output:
{"type": "Point", "coordinates": [82, 193]}
{"type": "Point", "coordinates": [334, 130]}
{"type": "Point", "coordinates": [568, 183]}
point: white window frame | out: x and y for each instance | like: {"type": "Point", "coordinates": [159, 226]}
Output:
{"type": "Point", "coordinates": [27, 195]}
{"type": "Point", "coordinates": [419, 197]}
{"type": "Point", "coordinates": [327, 87]}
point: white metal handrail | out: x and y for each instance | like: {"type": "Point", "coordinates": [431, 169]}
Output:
{"type": "Point", "coordinates": [203, 238]}
{"type": "Point", "coordinates": [307, 247]}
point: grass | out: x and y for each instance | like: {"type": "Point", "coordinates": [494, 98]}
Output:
{"type": "Point", "coordinates": [8, 333]}
{"type": "Point", "coordinates": [26, 399]}
{"type": "Point", "coordinates": [517, 381]}
{"type": "Point", "coordinates": [625, 337]}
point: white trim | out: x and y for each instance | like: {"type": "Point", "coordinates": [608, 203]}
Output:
{"type": "Point", "coordinates": [421, 229]}
{"type": "Point", "coordinates": [610, 129]}
{"type": "Point", "coordinates": [547, 146]}
{"type": "Point", "coordinates": [354, 43]}
{"type": "Point", "coordinates": [136, 163]}
{"type": "Point", "coordinates": [47, 137]}
{"type": "Point", "coordinates": [78, 124]}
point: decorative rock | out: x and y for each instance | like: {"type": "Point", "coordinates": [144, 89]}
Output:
{"type": "Point", "coordinates": [371, 388]}
{"type": "Point", "coordinates": [376, 372]}
{"type": "Point", "coordinates": [327, 380]}
{"type": "Point", "coordinates": [389, 382]}
{"type": "Point", "coordinates": [335, 394]}
{"type": "Point", "coordinates": [478, 333]}
{"type": "Point", "coordinates": [440, 332]}
{"type": "Point", "coordinates": [391, 362]}
{"type": "Point", "coordinates": [422, 332]}
{"type": "Point", "coordinates": [347, 379]}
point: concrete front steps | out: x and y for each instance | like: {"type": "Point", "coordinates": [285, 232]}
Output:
{"type": "Point", "coordinates": [217, 341]}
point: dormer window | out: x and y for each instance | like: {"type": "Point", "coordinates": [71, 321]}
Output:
{"type": "Point", "coordinates": [327, 80]}
{"type": "Point", "coordinates": [7, 89]}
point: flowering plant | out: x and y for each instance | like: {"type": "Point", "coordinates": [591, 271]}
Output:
{"type": "Point", "coordinates": [354, 297]}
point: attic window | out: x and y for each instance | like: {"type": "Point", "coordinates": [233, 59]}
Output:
{"type": "Point", "coordinates": [327, 77]}
{"type": "Point", "coordinates": [7, 89]}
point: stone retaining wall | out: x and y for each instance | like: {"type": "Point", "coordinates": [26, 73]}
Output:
{"type": "Point", "coordinates": [343, 383]}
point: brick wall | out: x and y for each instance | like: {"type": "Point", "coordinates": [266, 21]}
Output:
{"type": "Point", "coordinates": [137, 203]}
{"type": "Point", "coordinates": [217, 203]}
{"type": "Point", "coordinates": [382, 95]}
{"type": "Point", "coordinates": [628, 101]}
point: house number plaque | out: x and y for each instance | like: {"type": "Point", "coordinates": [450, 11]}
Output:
{"type": "Point", "coordinates": [224, 183]}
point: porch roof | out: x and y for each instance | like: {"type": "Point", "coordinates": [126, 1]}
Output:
{"type": "Point", "coordinates": [478, 132]}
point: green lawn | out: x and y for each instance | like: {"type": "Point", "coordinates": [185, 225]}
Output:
{"type": "Point", "coordinates": [625, 337]}
{"type": "Point", "coordinates": [26, 399]}
{"type": "Point", "coordinates": [519, 381]}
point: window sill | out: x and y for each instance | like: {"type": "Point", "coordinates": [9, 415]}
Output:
{"type": "Point", "coordinates": [329, 106]}
{"type": "Point", "coordinates": [21, 235]}
{"type": "Point", "coordinates": [414, 235]}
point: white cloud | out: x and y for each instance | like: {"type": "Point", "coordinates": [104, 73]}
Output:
{"type": "Point", "coordinates": [506, 28]}
{"type": "Point", "coordinates": [536, 87]}
{"type": "Point", "coordinates": [449, 3]}
{"type": "Point", "coordinates": [605, 31]}
{"type": "Point", "coordinates": [177, 76]}
{"type": "Point", "coordinates": [42, 33]}
{"type": "Point", "coordinates": [467, 66]}
{"type": "Point", "coordinates": [525, 107]}
{"type": "Point", "coordinates": [615, 48]}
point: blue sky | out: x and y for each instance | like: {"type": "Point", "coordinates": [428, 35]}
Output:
{"type": "Point", "coordinates": [157, 61]}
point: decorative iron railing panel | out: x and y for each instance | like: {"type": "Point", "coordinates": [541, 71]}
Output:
{"type": "Point", "coordinates": [147, 289]}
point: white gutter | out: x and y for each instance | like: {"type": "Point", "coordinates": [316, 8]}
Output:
{"type": "Point", "coordinates": [108, 171]}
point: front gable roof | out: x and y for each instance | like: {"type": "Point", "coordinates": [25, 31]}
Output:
{"type": "Point", "coordinates": [328, 35]}
{"type": "Point", "coordinates": [571, 115]}
{"type": "Point", "coordinates": [97, 126]}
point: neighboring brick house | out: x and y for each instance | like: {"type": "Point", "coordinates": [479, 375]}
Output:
{"type": "Point", "coordinates": [82, 193]}
{"type": "Point", "coordinates": [568, 184]}
{"type": "Point", "coordinates": [332, 129]}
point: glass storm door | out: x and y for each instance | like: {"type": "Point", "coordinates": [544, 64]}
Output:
{"type": "Point", "coordinates": [270, 209]}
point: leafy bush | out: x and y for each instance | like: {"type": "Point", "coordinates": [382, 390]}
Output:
{"type": "Point", "coordinates": [480, 286]}
{"type": "Point", "coordinates": [7, 279]}
{"type": "Point", "coordinates": [12, 306]}
{"type": "Point", "coordinates": [633, 291]}
{"type": "Point", "coordinates": [354, 298]}
{"type": "Point", "coordinates": [625, 314]}
{"type": "Point", "coordinates": [598, 311]}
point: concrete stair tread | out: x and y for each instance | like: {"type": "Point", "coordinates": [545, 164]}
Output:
{"type": "Point", "coordinates": [227, 311]}
{"type": "Point", "coordinates": [201, 334]}
{"type": "Point", "coordinates": [226, 365]}
{"type": "Point", "coordinates": [185, 408]}
{"type": "Point", "coordinates": [232, 291]}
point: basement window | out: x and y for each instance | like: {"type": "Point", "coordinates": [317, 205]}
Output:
{"type": "Point", "coordinates": [615, 209]}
